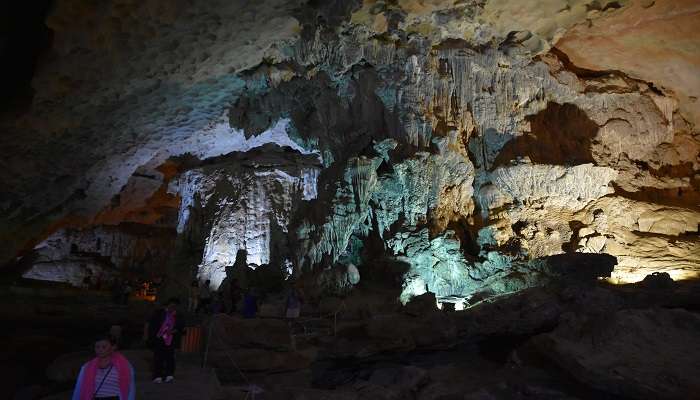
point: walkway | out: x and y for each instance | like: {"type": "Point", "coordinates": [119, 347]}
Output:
{"type": "Point", "coordinates": [191, 383]}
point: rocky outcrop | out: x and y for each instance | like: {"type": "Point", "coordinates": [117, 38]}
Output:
{"type": "Point", "coordinates": [637, 233]}
{"type": "Point", "coordinates": [243, 203]}
{"type": "Point", "coordinates": [672, 67]}
{"type": "Point", "coordinates": [638, 354]}
{"type": "Point", "coordinates": [255, 345]}
{"type": "Point", "coordinates": [444, 138]}
{"type": "Point", "coordinates": [101, 253]}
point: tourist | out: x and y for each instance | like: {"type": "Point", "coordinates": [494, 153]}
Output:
{"type": "Point", "coordinates": [218, 306]}
{"type": "Point", "coordinates": [193, 299]}
{"type": "Point", "coordinates": [250, 303]}
{"type": "Point", "coordinates": [234, 291]}
{"type": "Point", "coordinates": [126, 292]}
{"type": "Point", "coordinates": [98, 281]}
{"type": "Point", "coordinates": [165, 328]}
{"type": "Point", "coordinates": [143, 288]}
{"type": "Point", "coordinates": [205, 296]}
{"type": "Point", "coordinates": [151, 290]}
{"type": "Point", "coordinates": [234, 287]}
{"type": "Point", "coordinates": [108, 376]}
{"type": "Point", "coordinates": [87, 279]}
{"type": "Point", "coordinates": [116, 288]}
{"type": "Point", "coordinates": [294, 300]}
{"type": "Point", "coordinates": [115, 332]}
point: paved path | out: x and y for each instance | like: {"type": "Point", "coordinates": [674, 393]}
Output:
{"type": "Point", "coordinates": [191, 383]}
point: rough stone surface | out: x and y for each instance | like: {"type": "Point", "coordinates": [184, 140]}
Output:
{"type": "Point", "coordinates": [641, 354]}
{"type": "Point", "coordinates": [242, 201]}
{"type": "Point", "coordinates": [446, 138]}
{"type": "Point", "coordinates": [636, 30]}
{"type": "Point", "coordinates": [102, 252]}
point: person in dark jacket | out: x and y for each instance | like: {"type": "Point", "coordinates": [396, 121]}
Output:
{"type": "Point", "coordinates": [165, 328]}
{"type": "Point", "coordinates": [234, 292]}
{"type": "Point", "coordinates": [250, 303]}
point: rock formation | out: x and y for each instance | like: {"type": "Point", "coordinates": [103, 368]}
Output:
{"type": "Point", "coordinates": [465, 138]}
{"type": "Point", "coordinates": [404, 155]}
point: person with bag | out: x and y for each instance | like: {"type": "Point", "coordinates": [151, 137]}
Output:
{"type": "Point", "coordinates": [108, 376]}
{"type": "Point", "coordinates": [193, 300]}
{"type": "Point", "coordinates": [294, 300]}
{"type": "Point", "coordinates": [205, 297]}
{"type": "Point", "coordinates": [234, 292]}
{"type": "Point", "coordinates": [165, 329]}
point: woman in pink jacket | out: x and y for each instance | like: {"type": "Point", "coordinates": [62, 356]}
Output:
{"type": "Point", "coordinates": [108, 376]}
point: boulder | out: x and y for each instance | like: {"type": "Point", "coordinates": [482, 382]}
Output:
{"type": "Point", "coordinates": [442, 381]}
{"type": "Point", "coordinates": [658, 281]}
{"type": "Point", "coordinates": [421, 305]}
{"type": "Point", "coordinates": [434, 331]}
{"type": "Point", "coordinates": [272, 309]}
{"type": "Point", "coordinates": [254, 332]}
{"type": "Point", "coordinates": [330, 305]}
{"type": "Point", "coordinates": [294, 379]}
{"type": "Point", "coordinates": [261, 360]}
{"type": "Point", "coordinates": [400, 383]}
{"type": "Point", "coordinates": [307, 394]}
{"type": "Point", "coordinates": [399, 332]}
{"type": "Point", "coordinates": [368, 390]}
{"type": "Point", "coordinates": [391, 332]}
{"type": "Point", "coordinates": [525, 313]}
{"type": "Point", "coordinates": [640, 354]}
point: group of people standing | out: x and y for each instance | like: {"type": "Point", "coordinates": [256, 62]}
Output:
{"type": "Point", "coordinates": [203, 300]}
{"type": "Point", "coordinates": [227, 299]}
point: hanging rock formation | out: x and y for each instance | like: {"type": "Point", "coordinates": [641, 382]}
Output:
{"type": "Point", "coordinates": [243, 203]}
{"type": "Point", "coordinates": [463, 141]}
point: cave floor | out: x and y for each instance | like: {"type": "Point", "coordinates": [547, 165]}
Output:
{"type": "Point", "coordinates": [498, 362]}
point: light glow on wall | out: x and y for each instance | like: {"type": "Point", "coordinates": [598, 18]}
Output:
{"type": "Point", "coordinates": [625, 277]}
{"type": "Point", "coordinates": [249, 219]}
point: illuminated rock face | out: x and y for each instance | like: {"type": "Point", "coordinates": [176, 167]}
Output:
{"type": "Point", "coordinates": [231, 206]}
{"type": "Point", "coordinates": [102, 252]}
{"type": "Point", "coordinates": [443, 136]}
{"type": "Point", "coordinates": [530, 147]}
{"type": "Point", "coordinates": [673, 66]}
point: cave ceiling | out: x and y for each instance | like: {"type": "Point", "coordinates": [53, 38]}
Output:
{"type": "Point", "coordinates": [466, 134]}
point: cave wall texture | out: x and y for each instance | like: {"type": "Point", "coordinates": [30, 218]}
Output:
{"type": "Point", "coordinates": [465, 141]}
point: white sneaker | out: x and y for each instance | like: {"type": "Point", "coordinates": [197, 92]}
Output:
{"type": "Point", "coordinates": [169, 379]}
{"type": "Point", "coordinates": [158, 380]}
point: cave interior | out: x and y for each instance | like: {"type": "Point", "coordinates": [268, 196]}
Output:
{"type": "Point", "coordinates": [473, 199]}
